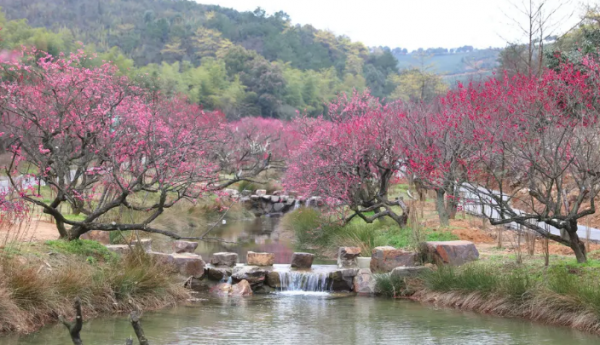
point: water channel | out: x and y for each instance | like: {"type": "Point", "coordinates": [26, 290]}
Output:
{"type": "Point", "coordinates": [312, 319]}
{"type": "Point", "coordinates": [305, 318]}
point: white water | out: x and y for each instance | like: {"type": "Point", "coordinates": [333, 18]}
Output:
{"type": "Point", "coordinates": [303, 281]}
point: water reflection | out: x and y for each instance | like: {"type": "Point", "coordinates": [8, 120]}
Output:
{"type": "Point", "coordinates": [259, 235]}
{"type": "Point", "coordinates": [302, 319]}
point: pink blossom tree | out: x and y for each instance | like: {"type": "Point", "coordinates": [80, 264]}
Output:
{"type": "Point", "coordinates": [351, 160]}
{"type": "Point", "coordinates": [537, 158]}
{"type": "Point", "coordinates": [100, 143]}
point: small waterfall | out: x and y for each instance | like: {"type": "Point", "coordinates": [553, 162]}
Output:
{"type": "Point", "coordinates": [305, 281]}
{"type": "Point", "coordinates": [296, 204]}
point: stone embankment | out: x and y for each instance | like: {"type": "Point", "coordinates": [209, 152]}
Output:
{"type": "Point", "coordinates": [225, 276]}
{"type": "Point", "coordinates": [260, 203]}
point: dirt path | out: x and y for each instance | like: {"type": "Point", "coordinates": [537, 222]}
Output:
{"type": "Point", "coordinates": [36, 231]}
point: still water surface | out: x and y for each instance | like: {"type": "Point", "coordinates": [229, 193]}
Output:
{"type": "Point", "coordinates": [312, 319]}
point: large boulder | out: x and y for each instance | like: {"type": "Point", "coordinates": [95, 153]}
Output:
{"type": "Point", "coordinates": [273, 280]}
{"type": "Point", "coordinates": [449, 252]}
{"type": "Point", "coordinates": [184, 246]}
{"type": "Point", "coordinates": [189, 264]}
{"type": "Point", "coordinates": [218, 273]}
{"type": "Point", "coordinates": [224, 259]}
{"type": "Point", "coordinates": [409, 272]}
{"type": "Point", "coordinates": [253, 274]}
{"type": "Point", "coordinates": [385, 259]}
{"type": "Point", "coordinates": [364, 282]}
{"type": "Point", "coordinates": [347, 257]}
{"type": "Point", "coordinates": [242, 288]}
{"type": "Point", "coordinates": [222, 289]}
{"type": "Point", "coordinates": [145, 243]}
{"type": "Point", "coordinates": [342, 279]}
{"type": "Point", "coordinates": [118, 248]}
{"type": "Point", "coordinates": [261, 192]}
{"type": "Point", "coordinates": [260, 259]}
{"type": "Point", "coordinates": [186, 264]}
{"type": "Point", "coordinates": [278, 207]}
{"type": "Point", "coordinates": [302, 260]}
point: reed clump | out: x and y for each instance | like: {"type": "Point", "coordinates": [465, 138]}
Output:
{"type": "Point", "coordinates": [35, 288]}
{"type": "Point", "coordinates": [565, 294]}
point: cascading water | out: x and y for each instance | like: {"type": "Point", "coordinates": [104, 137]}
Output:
{"type": "Point", "coordinates": [302, 282]}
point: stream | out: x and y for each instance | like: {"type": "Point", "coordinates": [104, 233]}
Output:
{"type": "Point", "coordinates": [299, 317]}
{"type": "Point", "coordinates": [312, 319]}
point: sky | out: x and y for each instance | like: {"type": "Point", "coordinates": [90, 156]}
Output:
{"type": "Point", "coordinates": [416, 24]}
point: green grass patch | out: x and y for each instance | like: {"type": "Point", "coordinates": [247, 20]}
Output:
{"type": "Point", "coordinates": [87, 248]}
{"type": "Point", "coordinates": [315, 230]}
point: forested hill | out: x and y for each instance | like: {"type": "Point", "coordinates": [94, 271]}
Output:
{"type": "Point", "coordinates": [245, 63]}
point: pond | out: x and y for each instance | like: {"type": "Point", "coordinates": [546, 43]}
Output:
{"type": "Point", "coordinates": [312, 319]}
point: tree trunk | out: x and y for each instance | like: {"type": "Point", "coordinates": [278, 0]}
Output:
{"type": "Point", "coordinates": [575, 243]}
{"type": "Point", "coordinates": [75, 232]}
{"type": "Point", "coordinates": [451, 207]}
{"type": "Point", "coordinates": [441, 207]}
{"type": "Point", "coordinates": [578, 248]}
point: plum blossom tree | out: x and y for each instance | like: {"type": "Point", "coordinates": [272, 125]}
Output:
{"type": "Point", "coordinates": [100, 143]}
{"type": "Point", "coordinates": [351, 160]}
{"type": "Point", "coordinates": [537, 158]}
{"type": "Point", "coordinates": [438, 143]}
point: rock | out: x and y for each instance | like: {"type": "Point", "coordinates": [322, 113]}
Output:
{"type": "Point", "coordinates": [290, 201]}
{"type": "Point", "coordinates": [260, 259]}
{"type": "Point", "coordinates": [242, 288]}
{"type": "Point", "coordinates": [145, 243]}
{"type": "Point", "coordinates": [254, 197]}
{"type": "Point", "coordinates": [186, 264]}
{"type": "Point", "coordinates": [219, 273]}
{"type": "Point", "coordinates": [364, 283]}
{"type": "Point", "coordinates": [385, 259]}
{"type": "Point", "coordinates": [262, 290]}
{"type": "Point", "coordinates": [163, 258]}
{"type": "Point", "coordinates": [274, 198]}
{"type": "Point", "coordinates": [272, 279]}
{"type": "Point", "coordinates": [302, 260]}
{"type": "Point", "coordinates": [184, 246]}
{"type": "Point", "coordinates": [343, 279]}
{"type": "Point", "coordinates": [224, 259]}
{"type": "Point", "coordinates": [347, 257]}
{"type": "Point", "coordinates": [253, 274]}
{"type": "Point", "coordinates": [278, 207]}
{"type": "Point", "coordinates": [222, 289]}
{"type": "Point", "coordinates": [266, 197]}
{"type": "Point", "coordinates": [118, 248]}
{"type": "Point", "coordinates": [97, 235]}
{"type": "Point", "coordinates": [409, 272]}
{"type": "Point", "coordinates": [189, 264]}
{"type": "Point", "coordinates": [449, 252]}
{"type": "Point", "coordinates": [246, 192]}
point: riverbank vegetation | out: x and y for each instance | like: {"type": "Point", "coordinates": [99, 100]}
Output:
{"type": "Point", "coordinates": [39, 281]}
{"type": "Point", "coordinates": [325, 234]}
{"type": "Point", "coordinates": [566, 293]}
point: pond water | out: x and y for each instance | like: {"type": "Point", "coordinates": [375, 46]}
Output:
{"type": "Point", "coordinates": [312, 319]}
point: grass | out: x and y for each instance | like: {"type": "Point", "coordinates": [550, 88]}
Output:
{"type": "Point", "coordinates": [33, 292]}
{"type": "Point", "coordinates": [315, 230]}
{"type": "Point", "coordinates": [87, 248]}
{"type": "Point", "coordinates": [565, 294]}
